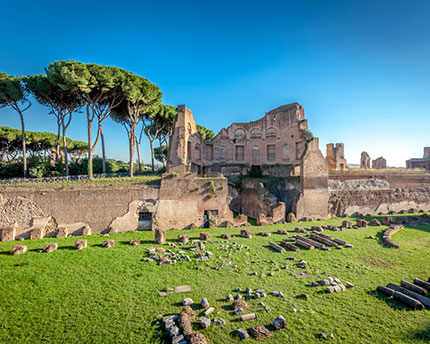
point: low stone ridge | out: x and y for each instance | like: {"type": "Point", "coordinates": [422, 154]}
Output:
{"type": "Point", "coordinates": [18, 249]}
{"type": "Point", "coordinates": [389, 232]}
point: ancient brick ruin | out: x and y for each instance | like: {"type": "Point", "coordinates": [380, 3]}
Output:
{"type": "Point", "coordinates": [335, 157]}
{"type": "Point", "coordinates": [423, 163]}
{"type": "Point", "coordinates": [379, 163]}
{"type": "Point", "coordinates": [277, 145]}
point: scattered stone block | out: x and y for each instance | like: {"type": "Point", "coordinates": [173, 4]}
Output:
{"type": "Point", "coordinates": [183, 289]}
{"type": "Point", "coordinates": [86, 230]}
{"type": "Point", "coordinates": [205, 303]}
{"type": "Point", "coordinates": [260, 332]}
{"type": "Point", "coordinates": [160, 236]}
{"type": "Point", "coordinates": [244, 233]}
{"type": "Point", "coordinates": [249, 316]}
{"type": "Point", "coordinates": [187, 301]}
{"type": "Point", "coordinates": [347, 224]}
{"type": "Point", "coordinates": [291, 218]}
{"type": "Point", "coordinates": [282, 232]}
{"type": "Point", "coordinates": [108, 243]}
{"type": "Point", "coordinates": [8, 233]}
{"type": "Point", "coordinates": [37, 233]}
{"type": "Point", "coordinates": [226, 236]}
{"type": "Point", "coordinates": [53, 246]}
{"type": "Point", "coordinates": [80, 244]}
{"type": "Point", "coordinates": [205, 322]}
{"type": "Point", "coordinates": [375, 223]}
{"type": "Point", "coordinates": [242, 333]}
{"type": "Point", "coordinates": [135, 242]}
{"type": "Point", "coordinates": [183, 238]}
{"type": "Point", "coordinates": [201, 246]}
{"type": "Point", "coordinates": [205, 236]}
{"type": "Point", "coordinates": [160, 250]}
{"type": "Point", "coordinates": [209, 311]}
{"type": "Point", "coordinates": [18, 249]}
{"type": "Point", "coordinates": [349, 285]}
{"type": "Point", "coordinates": [279, 322]}
{"type": "Point", "coordinates": [62, 232]}
{"type": "Point", "coordinates": [162, 293]}
{"type": "Point", "coordinates": [229, 298]}
{"type": "Point", "coordinates": [265, 234]}
{"type": "Point", "coordinates": [277, 247]}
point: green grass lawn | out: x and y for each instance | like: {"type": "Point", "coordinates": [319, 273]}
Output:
{"type": "Point", "coordinates": [103, 295]}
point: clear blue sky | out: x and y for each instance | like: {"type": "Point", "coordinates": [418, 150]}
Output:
{"type": "Point", "coordinates": [361, 69]}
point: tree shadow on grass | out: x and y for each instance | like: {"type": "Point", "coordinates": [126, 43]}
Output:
{"type": "Point", "coordinates": [393, 303]}
{"type": "Point", "coordinates": [422, 334]}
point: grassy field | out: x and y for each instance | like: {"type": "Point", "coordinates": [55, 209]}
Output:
{"type": "Point", "coordinates": [141, 179]}
{"type": "Point", "coordinates": [103, 295]}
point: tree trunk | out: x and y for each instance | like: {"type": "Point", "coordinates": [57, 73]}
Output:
{"type": "Point", "coordinates": [163, 161]}
{"type": "Point", "coordinates": [24, 146]}
{"type": "Point", "coordinates": [57, 147]}
{"type": "Point", "coordinates": [66, 160]}
{"type": "Point", "coordinates": [103, 150]}
{"type": "Point", "coordinates": [151, 143]}
{"type": "Point", "coordinates": [131, 140]}
{"type": "Point", "coordinates": [139, 163]}
{"type": "Point", "coordinates": [90, 150]}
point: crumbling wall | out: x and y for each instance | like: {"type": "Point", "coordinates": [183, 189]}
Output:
{"type": "Point", "coordinates": [348, 202]}
{"type": "Point", "coordinates": [95, 206]}
{"type": "Point", "coordinates": [184, 199]}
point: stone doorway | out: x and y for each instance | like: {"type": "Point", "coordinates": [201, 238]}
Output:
{"type": "Point", "coordinates": [145, 220]}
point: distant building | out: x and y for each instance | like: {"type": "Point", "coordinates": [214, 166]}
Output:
{"type": "Point", "coordinates": [335, 157]}
{"type": "Point", "coordinates": [379, 163]}
{"type": "Point", "coordinates": [420, 163]}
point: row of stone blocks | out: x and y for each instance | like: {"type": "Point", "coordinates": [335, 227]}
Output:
{"type": "Point", "coordinates": [9, 233]}
{"type": "Point", "coordinates": [78, 245]}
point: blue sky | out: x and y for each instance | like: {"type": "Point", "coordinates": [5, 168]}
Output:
{"type": "Point", "coordinates": [361, 69]}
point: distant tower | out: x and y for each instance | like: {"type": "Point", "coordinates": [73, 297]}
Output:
{"type": "Point", "coordinates": [179, 147]}
{"type": "Point", "coordinates": [426, 153]}
{"type": "Point", "coordinates": [335, 157]}
{"type": "Point", "coordinates": [365, 160]}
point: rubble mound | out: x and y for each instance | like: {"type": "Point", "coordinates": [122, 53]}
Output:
{"type": "Point", "coordinates": [240, 304]}
{"type": "Point", "coordinates": [19, 210]}
{"type": "Point", "coordinates": [260, 332]}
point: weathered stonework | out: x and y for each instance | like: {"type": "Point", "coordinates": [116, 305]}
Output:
{"type": "Point", "coordinates": [379, 163]}
{"type": "Point", "coordinates": [8, 233]}
{"type": "Point", "coordinates": [335, 157]}
{"type": "Point", "coordinates": [423, 163]}
{"type": "Point", "coordinates": [365, 161]}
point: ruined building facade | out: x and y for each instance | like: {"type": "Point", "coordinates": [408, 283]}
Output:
{"type": "Point", "coordinates": [423, 163]}
{"type": "Point", "coordinates": [277, 145]}
{"type": "Point", "coordinates": [335, 157]}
